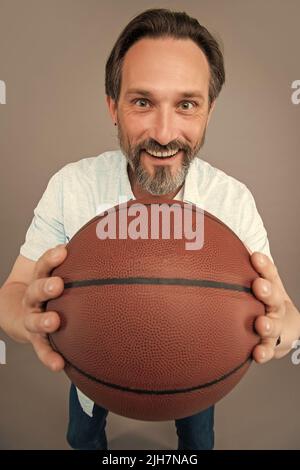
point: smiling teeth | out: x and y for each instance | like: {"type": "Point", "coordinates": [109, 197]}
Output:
{"type": "Point", "coordinates": [162, 154]}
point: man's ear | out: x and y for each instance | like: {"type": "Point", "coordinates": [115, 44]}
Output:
{"type": "Point", "coordinates": [211, 110]}
{"type": "Point", "coordinates": [112, 107]}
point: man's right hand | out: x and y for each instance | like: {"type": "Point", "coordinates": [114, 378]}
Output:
{"type": "Point", "coordinates": [38, 324]}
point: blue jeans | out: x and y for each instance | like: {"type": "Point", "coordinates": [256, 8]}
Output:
{"type": "Point", "coordinates": [85, 433]}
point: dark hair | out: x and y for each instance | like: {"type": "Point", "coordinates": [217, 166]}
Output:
{"type": "Point", "coordinates": [159, 23]}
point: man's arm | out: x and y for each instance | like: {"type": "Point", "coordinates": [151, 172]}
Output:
{"type": "Point", "coordinates": [22, 297]}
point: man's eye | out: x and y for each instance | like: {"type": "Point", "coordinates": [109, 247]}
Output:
{"type": "Point", "coordinates": [189, 102]}
{"type": "Point", "coordinates": [140, 99]}
{"type": "Point", "coordinates": [144, 102]}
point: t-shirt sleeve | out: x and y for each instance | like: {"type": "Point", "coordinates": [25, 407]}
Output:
{"type": "Point", "coordinates": [47, 228]}
{"type": "Point", "coordinates": [253, 233]}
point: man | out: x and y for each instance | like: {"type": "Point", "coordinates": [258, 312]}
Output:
{"type": "Point", "coordinates": [162, 80]}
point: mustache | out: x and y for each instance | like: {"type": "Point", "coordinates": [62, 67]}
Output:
{"type": "Point", "coordinates": [171, 147]}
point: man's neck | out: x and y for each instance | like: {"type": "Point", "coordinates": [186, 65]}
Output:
{"type": "Point", "coordinates": [140, 193]}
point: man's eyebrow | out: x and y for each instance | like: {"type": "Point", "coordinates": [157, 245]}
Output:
{"type": "Point", "coordinates": [147, 93]}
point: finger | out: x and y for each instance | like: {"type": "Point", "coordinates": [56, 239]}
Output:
{"type": "Point", "coordinates": [267, 327]}
{"type": "Point", "coordinates": [264, 266]}
{"type": "Point", "coordinates": [46, 354]}
{"type": "Point", "coordinates": [41, 290]}
{"type": "Point", "coordinates": [263, 353]}
{"type": "Point", "coordinates": [42, 322]}
{"type": "Point", "coordinates": [269, 294]}
{"type": "Point", "coordinates": [49, 260]}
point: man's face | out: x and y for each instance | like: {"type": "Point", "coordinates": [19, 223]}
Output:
{"type": "Point", "coordinates": [163, 106]}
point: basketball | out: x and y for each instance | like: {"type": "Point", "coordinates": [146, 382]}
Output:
{"type": "Point", "coordinates": [157, 319]}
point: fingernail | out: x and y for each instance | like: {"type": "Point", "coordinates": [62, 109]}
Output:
{"type": "Point", "coordinates": [261, 260]}
{"type": "Point", "coordinates": [262, 355]}
{"type": "Point", "coordinates": [47, 322]}
{"type": "Point", "coordinates": [265, 289]}
{"type": "Point", "coordinates": [49, 286]}
{"type": "Point", "coordinates": [268, 326]}
{"type": "Point", "coordinates": [56, 253]}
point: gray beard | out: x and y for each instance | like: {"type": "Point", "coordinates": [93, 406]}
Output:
{"type": "Point", "coordinates": [162, 182]}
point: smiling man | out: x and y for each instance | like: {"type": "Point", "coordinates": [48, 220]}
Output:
{"type": "Point", "coordinates": [163, 111]}
{"type": "Point", "coordinates": [163, 77]}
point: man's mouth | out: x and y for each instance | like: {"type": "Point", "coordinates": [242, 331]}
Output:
{"type": "Point", "coordinates": [162, 155]}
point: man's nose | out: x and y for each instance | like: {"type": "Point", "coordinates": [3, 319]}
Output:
{"type": "Point", "coordinates": [164, 127]}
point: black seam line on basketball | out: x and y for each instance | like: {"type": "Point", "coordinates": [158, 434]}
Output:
{"type": "Point", "coordinates": [158, 281]}
{"type": "Point", "coordinates": [139, 391]}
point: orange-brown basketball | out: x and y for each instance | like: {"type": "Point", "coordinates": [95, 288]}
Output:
{"type": "Point", "coordinates": [152, 330]}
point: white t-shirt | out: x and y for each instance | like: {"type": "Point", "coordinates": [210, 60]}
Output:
{"type": "Point", "coordinates": [83, 189]}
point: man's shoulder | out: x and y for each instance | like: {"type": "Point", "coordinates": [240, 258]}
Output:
{"type": "Point", "coordinates": [105, 162]}
{"type": "Point", "coordinates": [231, 201]}
{"type": "Point", "coordinates": [209, 179]}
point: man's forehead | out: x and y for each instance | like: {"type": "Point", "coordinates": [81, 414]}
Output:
{"type": "Point", "coordinates": [165, 63]}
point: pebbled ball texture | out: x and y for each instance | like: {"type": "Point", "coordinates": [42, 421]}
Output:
{"type": "Point", "coordinates": [151, 330]}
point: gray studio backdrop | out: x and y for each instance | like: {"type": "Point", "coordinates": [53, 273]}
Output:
{"type": "Point", "coordinates": [52, 59]}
